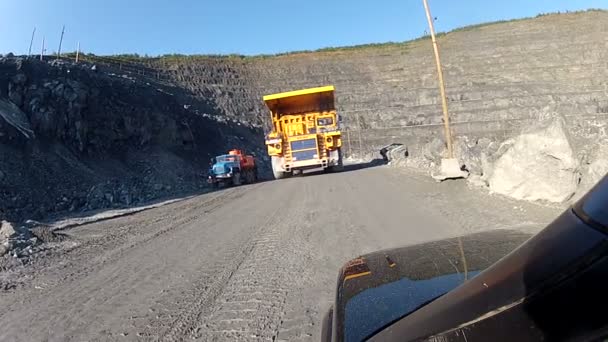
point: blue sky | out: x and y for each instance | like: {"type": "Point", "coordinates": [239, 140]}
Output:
{"type": "Point", "coordinates": [243, 26]}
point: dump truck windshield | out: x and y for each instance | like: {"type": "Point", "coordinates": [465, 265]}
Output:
{"type": "Point", "coordinates": [224, 159]}
{"type": "Point", "coordinates": [325, 121]}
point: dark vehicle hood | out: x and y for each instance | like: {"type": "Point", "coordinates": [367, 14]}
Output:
{"type": "Point", "coordinates": [379, 288]}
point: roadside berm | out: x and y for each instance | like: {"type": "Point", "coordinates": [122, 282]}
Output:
{"type": "Point", "coordinates": [539, 164]}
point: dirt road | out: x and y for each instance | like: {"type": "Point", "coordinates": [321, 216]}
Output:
{"type": "Point", "coordinates": [256, 262]}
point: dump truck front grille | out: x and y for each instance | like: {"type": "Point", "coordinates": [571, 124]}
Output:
{"type": "Point", "coordinates": [304, 144]}
{"type": "Point", "coordinates": [304, 155]}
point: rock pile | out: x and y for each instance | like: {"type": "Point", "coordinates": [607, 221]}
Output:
{"type": "Point", "coordinates": [540, 164]}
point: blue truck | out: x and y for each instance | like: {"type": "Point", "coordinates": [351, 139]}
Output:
{"type": "Point", "coordinates": [234, 168]}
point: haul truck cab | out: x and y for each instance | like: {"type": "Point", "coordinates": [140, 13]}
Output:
{"type": "Point", "coordinates": [305, 131]}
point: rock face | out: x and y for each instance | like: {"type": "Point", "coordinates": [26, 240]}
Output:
{"type": "Point", "coordinates": [74, 139]}
{"type": "Point", "coordinates": [12, 115]}
{"type": "Point", "coordinates": [538, 165]}
{"type": "Point", "coordinates": [499, 78]}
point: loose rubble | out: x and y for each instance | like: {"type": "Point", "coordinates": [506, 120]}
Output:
{"type": "Point", "coordinates": [540, 164]}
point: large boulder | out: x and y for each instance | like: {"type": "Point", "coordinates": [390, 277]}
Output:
{"type": "Point", "coordinates": [469, 153]}
{"type": "Point", "coordinates": [6, 231]}
{"type": "Point", "coordinates": [596, 167]}
{"type": "Point", "coordinates": [537, 165]}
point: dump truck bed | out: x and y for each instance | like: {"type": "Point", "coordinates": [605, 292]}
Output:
{"type": "Point", "coordinates": [301, 101]}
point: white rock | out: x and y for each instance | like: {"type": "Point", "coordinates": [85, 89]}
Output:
{"type": "Point", "coordinates": [477, 180]}
{"type": "Point", "coordinates": [539, 165]}
{"type": "Point", "coordinates": [596, 170]}
{"type": "Point", "coordinates": [6, 230]}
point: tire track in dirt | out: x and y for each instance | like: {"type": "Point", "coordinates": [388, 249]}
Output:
{"type": "Point", "coordinates": [61, 279]}
{"type": "Point", "coordinates": [251, 302]}
{"type": "Point", "coordinates": [328, 236]}
{"type": "Point", "coordinates": [250, 263]}
{"type": "Point", "coordinates": [89, 238]}
{"type": "Point", "coordinates": [203, 294]}
{"type": "Point", "coordinates": [132, 235]}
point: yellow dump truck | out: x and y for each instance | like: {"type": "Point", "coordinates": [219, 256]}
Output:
{"type": "Point", "coordinates": [305, 131]}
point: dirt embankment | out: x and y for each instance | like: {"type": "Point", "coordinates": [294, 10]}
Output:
{"type": "Point", "coordinates": [81, 137]}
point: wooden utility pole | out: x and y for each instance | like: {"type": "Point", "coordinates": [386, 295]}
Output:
{"type": "Point", "coordinates": [42, 50]}
{"type": "Point", "coordinates": [29, 52]}
{"type": "Point", "coordinates": [77, 51]}
{"type": "Point", "coordinates": [444, 103]}
{"type": "Point", "coordinates": [359, 131]}
{"type": "Point", "coordinates": [60, 41]}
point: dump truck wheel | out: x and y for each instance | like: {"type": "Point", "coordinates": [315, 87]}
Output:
{"type": "Point", "coordinates": [236, 178]}
{"type": "Point", "coordinates": [247, 177]}
{"type": "Point", "coordinates": [340, 166]}
{"type": "Point", "coordinates": [276, 171]}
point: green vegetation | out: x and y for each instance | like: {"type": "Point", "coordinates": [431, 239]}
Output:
{"type": "Point", "coordinates": [476, 26]}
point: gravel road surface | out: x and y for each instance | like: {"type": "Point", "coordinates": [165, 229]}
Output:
{"type": "Point", "coordinates": [257, 262]}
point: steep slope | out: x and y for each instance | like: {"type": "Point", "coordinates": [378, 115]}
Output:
{"type": "Point", "coordinates": [98, 139]}
{"type": "Point", "coordinates": [499, 78]}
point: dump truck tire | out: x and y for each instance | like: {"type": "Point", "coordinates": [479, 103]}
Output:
{"type": "Point", "coordinates": [247, 176]}
{"type": "Point", "coordinates": [236, 178]}
{"type": "Point", "coordinates": [340, 166]}
{"type": "Point", "coordinates": [250, 177]}
{"type": "Point", "coordinates": [276, 171]}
